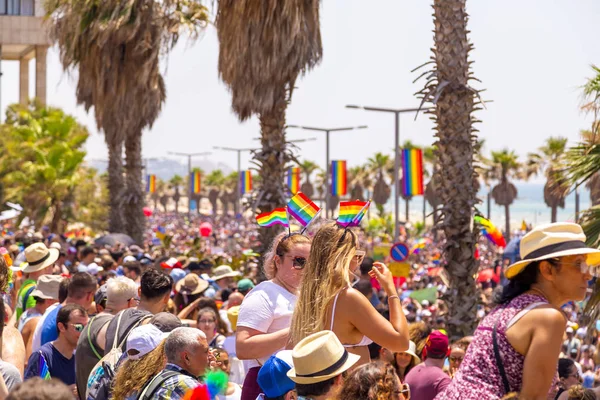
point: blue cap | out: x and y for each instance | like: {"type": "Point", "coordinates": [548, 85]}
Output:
{"type": "Point", "coordinates": [272, 376]}
{"type": "Point", "coordinates": [177, 274]}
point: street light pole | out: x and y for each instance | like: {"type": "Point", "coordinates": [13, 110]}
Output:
{"type": "Point", "coordinates": [396, 186]}
{"type": "Point", "coordinates": [189, 157]}
{"type": "Point", "coordinates": [327, 132]}
{"type": "Point", "coordinates": [239, 171]}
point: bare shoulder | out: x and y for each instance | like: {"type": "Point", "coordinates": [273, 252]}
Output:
{"type": "Point", "coordinates": [352, 296]}
{"type": "Point", "coordinates": [548, 316]}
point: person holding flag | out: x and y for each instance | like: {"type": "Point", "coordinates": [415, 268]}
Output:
{"type": "Point", "coordinates": [327, 300]}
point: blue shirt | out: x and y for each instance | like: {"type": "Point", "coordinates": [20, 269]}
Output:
{"type": "Point", "coordinates": [49, 330]}
{"type": "Point", "coordinates": [59, 366]}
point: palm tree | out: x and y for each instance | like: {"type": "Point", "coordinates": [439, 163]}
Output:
{"type": "Point", "coordinates": [264, 46]}
{"type": "Point", "coordinates": [116, 47]}
{"type": "Point", "coordinates": [355, 181]}
{"type": "Point", "coordinates": [505, 165]}
{"type": "Point", "coordinates": [214, 182]}
{"type": "Point", "coordinates": [447, 87]}
{"type": "Point", "coordinates": [550, 159]}
{"type": "Point", "coordinates": [380, 164]}
{"type": "Point", "coordinates": [175, 182]}
{"type": "Point", "coordinates": [308, 167]}
{"type": "Point", "coordinates": [161, 188]}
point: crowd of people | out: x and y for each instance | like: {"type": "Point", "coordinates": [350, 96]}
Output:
{"type": "Point", "coordinates": [187, 309]}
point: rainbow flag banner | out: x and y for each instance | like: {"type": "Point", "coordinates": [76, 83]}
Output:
{"type": "Point", "coordinates": [293, 180]}
{"type": "Point", "coordinates": [276, 217]}
{"type": "Point", "coordinates": [491, 232]}
{"type": "Point", "coordinates": [352, 212]}
{"type": "Point", "coordinates": [412, 172]}
{"type": "Point", "coordinates": [303, 209]}
{"type": "Point", "coordinates": [195, 182]}
{"type": "Point", "coordinates": [151, 184]}
{"type": "Point", "coordinates": [245, 182]}
{"type": "Point", "coordinates": [339, 183]}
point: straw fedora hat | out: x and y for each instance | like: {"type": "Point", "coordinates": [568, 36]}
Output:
{"type": "Point", "coordinates": [224, 271]}
{"type": "Point", "coordinates": [38, 257]}
{"type": "Point", "coordinates": [191, 284]}
{"type": "Point", "coordinates": [550, 241]}
{"type": "Point", "coordinates": [319, 357]}
{"type": "Point", "coordinates": [412, 348]}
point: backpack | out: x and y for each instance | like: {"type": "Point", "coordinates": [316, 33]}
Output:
{"type": "Point", "coordinates": [101, 377]}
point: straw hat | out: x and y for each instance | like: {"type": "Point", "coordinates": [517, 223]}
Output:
{"type": "Point", "coordinates": [38, 257]}
{"type": "Point", "coordinates": [550, 241]}
{"type": "Point", "coordinates": [224, 271]}
{"type": "Point", "coordinates": [47, 287]}
{"type": "Point", "coordinates": [191, 284]}
{"type": "Point", "coordinates": [319, 357]}
{"type": "Point", "coordinates": [412, 348]}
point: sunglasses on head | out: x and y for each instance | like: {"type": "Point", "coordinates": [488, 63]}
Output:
{"type": "Point", "coordinates": [360, 256]}
{"type": "Point", "coordinates": [78, 327]}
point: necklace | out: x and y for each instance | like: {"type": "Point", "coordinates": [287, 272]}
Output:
{"type": "Point", "coordinates": [541, 293]}
{"type": "Point", "coordinates": [279, 282]}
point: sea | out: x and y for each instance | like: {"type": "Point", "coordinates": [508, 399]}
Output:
{"type": "Point", "coordinates": [529, 207]}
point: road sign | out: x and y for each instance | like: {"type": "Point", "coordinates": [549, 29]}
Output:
{"type": "Point", "coordinates": [399, 252]}
{"type": "Point", "coordinates": [381, 252]}
{"type": "Point", "coordinates": [399, 270]}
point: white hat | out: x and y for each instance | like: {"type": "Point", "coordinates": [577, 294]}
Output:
{"type": "Point", "coordinates": [38, 257]}
{"type": "Point", "coordinates": [55, 245]}
{"type": "Point", "coordinates": [224, 271]}
{"type": "Point", "coordinates": [129, 259]}
{"type": "Point", "coordinates": [47, 287]}
{"type": "Point", "coordinates": [94, 268]}
{"type": "Point", "coordinates": [412, 348]}
{"type": "Point", "coordinates": [559, 239]}
{"type": "Point", "coordinates": [319, 357]}
{"type": "Point", "coordinates": [142, 340]}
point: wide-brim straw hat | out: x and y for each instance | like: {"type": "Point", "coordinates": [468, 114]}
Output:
{"type": "Point", "coordinates": [191, 284]}
{"type": "Point", "coordinates": [38, 257]}
{"type": "Point", "coordinates": [224, 271]}
{"type": "Point", "coordinates": [548, 241]}
{"type": "Point", "coordinates": [319, 357]}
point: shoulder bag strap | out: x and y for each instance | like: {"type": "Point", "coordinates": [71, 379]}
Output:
{"type": "Point", "coordinates": [114, 345]}
{"type": "Point", "coordinates": [130, 329]}
{"type": "Point", "coordinates": [89, 338]}
{"type": "Point", "coordinates": [499, 360]}
{"type": "Point", "coordinates": [155, 383]}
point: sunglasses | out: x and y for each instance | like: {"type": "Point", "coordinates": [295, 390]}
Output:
{"type": "Point", "coordinates": [78, 327]}
{"type": "Point", "coordinates": [298, 262]}
{"type": "Point", "coordinates": [405, 391]}
{"type": "Point", "coordinates": [359, 256]}
{"type": "Point", "coordinates": [455, 359]}
{"type": "Point", "coordinates": [581, 265]}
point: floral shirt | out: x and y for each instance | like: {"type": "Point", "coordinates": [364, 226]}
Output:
{"type": "Point", "coordinates": [175, 387]}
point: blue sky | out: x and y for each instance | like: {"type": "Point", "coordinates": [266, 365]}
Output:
{"type": "Point", "coordinates": [532, 57]}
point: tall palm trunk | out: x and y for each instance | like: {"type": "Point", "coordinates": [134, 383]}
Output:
{"type": "Point", "coordinates": [507, 222]}
{"type": "Point", "coordinates": [272, 158]}
{"type": "Point", "coordinates": [134, 199]}
{"type": "Point", "coordinates": [554, 214]}
{"type": "Point", "coordinates": [455, 176]}
{"type": "Point", "coordinates": [116, 185]}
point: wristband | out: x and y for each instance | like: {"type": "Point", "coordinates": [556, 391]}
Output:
{"type": "Point", "coordinates": [392, 296]}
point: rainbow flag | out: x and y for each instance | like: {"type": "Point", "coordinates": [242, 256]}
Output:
{"type": "Point", "coordinates": [195, 182]}
{"type": "Point", "coordinates": [160, 233]}
{"type": "Point", "coordinates": [339, 183]}
{"type": "Point", "coordinates": [490, 231]}
{"type": "Point", "coordinates": [151, 184]}
{"type": "Point", "coordinates": [276, 217]}
{"type": "Point", "coordinates": [293, 180]}
{"type": "Point", "coordinates": [44, 372]}
{"type": "Point", "coordinates": [412, 172]}
{"type": "Point", "coordinates": [352, 212]}
{"type": "Point", "coordinates": [245, 182]}
{"type": "Point", "coordinates": [302, 208]}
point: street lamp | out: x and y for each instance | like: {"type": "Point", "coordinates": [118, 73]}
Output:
{"type": "Point", "coordinates": [397, 113]}
{"type": "Point", "coordinates": [239, 170]}
{"type": "Point", "coordinates": [189, 157]}
{"type": "Point", "coordinates": [327, 132]}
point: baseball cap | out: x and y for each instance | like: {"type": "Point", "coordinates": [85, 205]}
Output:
{"type": "Point", "coordinates": [142, 340]}
{"type": "Point", "coordinates": [100, 295]}
{"type": "Point", "coordinates": [165, 321]}
{"type": "Point", "coordinates": [569, 330]}
{"type": "Point", "coordinates": [129, 259]}
{"type": "Point", "coordinates": [245, 285]}
{"type": "Point", "coordinates": [177, 274]}
{"type": "Point", "coordinates": [232, 316]}
{"type": "Point", "coordinates": [437, 344]}
{"type": "Point", "coordinates": [272, 376]}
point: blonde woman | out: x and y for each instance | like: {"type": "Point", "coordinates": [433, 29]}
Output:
{"type": "Point", "coordinates": [328, 301]}
{"type": "Point", "coordinates": [266, 312]}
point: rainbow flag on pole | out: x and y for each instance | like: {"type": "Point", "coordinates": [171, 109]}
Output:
{"type": "Point", "coordinates": [245, 182]}
{"type": "Point", "coordinates": [195, 182]}
{"type": "Point", "coordinates": [412, 172]}
{"type": "Point", "coordinates": [352, 212]}
{"type": "Point", "coordinates": [151, 184]}
{"type": "Point", "coordinates": [339, 184]}
{"type": "Point", "coordinates": [302, 208]}
{"type": "Point", "coordinates": [293, 180]}
{"type": "Point", "coordinates": [276, 217]}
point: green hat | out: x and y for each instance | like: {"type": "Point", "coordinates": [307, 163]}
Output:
{"type": "Point", "coordinates": [245, 285]}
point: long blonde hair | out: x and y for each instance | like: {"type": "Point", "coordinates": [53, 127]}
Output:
{"type": "Point", "coordinates": [133, 374]}
{"type": "Point", "coordinates": [281, 245]}
{"type": "Point", "coordinates": [325, 275]}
